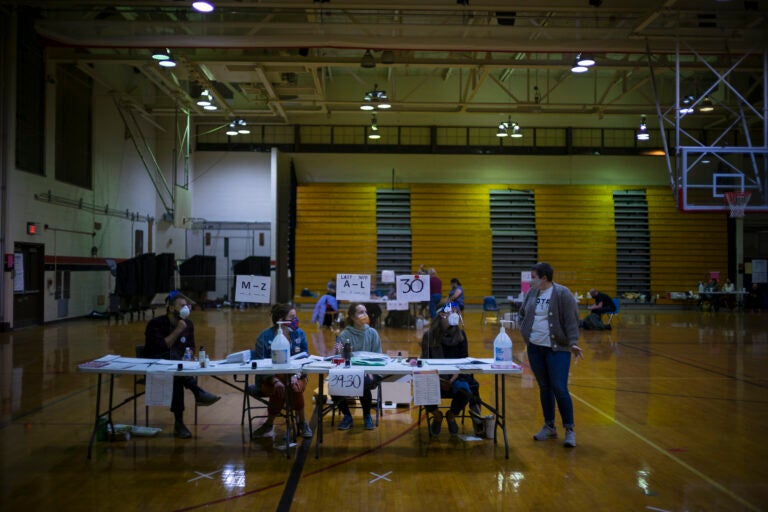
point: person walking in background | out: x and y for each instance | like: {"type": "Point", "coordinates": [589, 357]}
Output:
{"type": "Point", "coordinates": [168, 337]}
{"type": "Point", "coordinates": [277, 386]}
{"type": "Point", "coordinates": [549, 324]}
{"type": "Point", "coordinates": [435, 292]}
{"type": "Point", "coordinates": [456, 295]}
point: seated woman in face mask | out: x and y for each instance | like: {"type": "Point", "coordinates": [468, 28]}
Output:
{"type": "Point", "coordinates": [276, 386]}
{"type": "Point", "coordinates": [446, 339]}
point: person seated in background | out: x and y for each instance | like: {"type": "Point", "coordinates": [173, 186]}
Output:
{"type": "Point", "coordinates": [729, 299]}
{"type": "Point", "coordinates": [325, 309]}
{"type": "Point", "coordinates": [331, 287]}
{"type": "Point", "coordinates": [168, 337]}
{"type": "Point", "coordinates": [275, 386]}
{"type": "Point", "coordinates": [362, 337]}
{"type": "Point", "coordinates": [456, 294]}
{"type": "Point", "coordinates": [446, 339]}
{"type": "Point", "coordinates": [708, 298]}
{"type": "Point", "coordinates": [603, 304]}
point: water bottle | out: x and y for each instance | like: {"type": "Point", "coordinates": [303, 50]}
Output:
{"type": "Point", "coordinates": [347, 353]}
{"type": "Point", "coordinates": [188, 354]}
{"type": "Point", "coordinates": [502, 349]}
{"type": "Point", "coordinates": [201, 357]}
{"type": "Point", "coordinates": [280, 347]}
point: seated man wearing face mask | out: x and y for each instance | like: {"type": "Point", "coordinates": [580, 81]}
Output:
{"type": "Point", "coordinates": [447, 340]}
{"type": "Point", "coordinates": [168, 337]}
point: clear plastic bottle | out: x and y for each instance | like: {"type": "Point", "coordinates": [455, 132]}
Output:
{"type": "Point", "coordinates": [280, 347]}
{"type": "Point", "coordinates": [188, 354]}
{"type": "Point", "coordinates": [502, 349]}
{"type": "Point", "coordinates": [202, 358]}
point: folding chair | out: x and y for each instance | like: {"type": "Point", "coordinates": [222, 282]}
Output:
{"type": "Point", "coordinates": [490, 308]}
{"type": "Point", "coordinates": [261, 403]}
{"type": "Point", "coordinates": [616, 303]}
{"type": "Point", "coordinates": [354, 403]}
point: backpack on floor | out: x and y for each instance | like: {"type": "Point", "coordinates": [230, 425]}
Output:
{"type": "Point", "coordinates": [593, 322]}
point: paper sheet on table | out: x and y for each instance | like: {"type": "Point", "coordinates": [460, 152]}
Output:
{"type": "Point", "coordinates": [426, 387]}
{"type": "Point", "coordinates": [447, 362]}
{"type": "Point", "coordinates": [159, 388]}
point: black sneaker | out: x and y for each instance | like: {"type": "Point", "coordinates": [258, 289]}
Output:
{"type": "Point", "coordinates": [181, 431]}
{"type": "Point", "coordinates": [205, 398]}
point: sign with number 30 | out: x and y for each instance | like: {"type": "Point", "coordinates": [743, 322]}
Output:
{"type": "Point", "coordinates": [412, 288]}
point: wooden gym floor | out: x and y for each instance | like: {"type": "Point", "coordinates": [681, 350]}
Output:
{"type": "Point", "coordinates": [671, 415]}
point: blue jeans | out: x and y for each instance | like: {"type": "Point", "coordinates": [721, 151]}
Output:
{"type": "Point", "coordinates": [434, 301]}
{"type": "Point", "coordinates": [551, 370]}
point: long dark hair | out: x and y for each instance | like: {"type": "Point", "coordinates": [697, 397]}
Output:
{"type": "Point", "coordinates": [351, 313]}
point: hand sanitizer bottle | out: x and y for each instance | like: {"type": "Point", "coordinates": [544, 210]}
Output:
{"type": "Point", "coordinates": [502, 349]}
{"type": "Point", "coordinates": [280, 347]}
{"type": "Point", "coordinates": [201, 357]}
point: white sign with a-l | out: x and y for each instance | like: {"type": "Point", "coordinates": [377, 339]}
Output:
{"type": "Point", "coordinates": [253, 289]}
{"type": "Point", "coordinates": [353, 287]}
{"type": "Point", "coordinates": [413, 288]}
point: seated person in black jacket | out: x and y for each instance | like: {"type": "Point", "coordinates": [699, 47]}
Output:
{"type": "Point", "coordinates": [168, 337]}
{"type": "Point", "coordinates": [447, 340]}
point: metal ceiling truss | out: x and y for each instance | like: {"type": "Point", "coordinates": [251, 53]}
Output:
{"type": "Point", "coordinates": [734, 154]}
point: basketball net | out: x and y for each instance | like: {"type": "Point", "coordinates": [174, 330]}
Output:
{"type": "Point", "coordinates": [737, 202]}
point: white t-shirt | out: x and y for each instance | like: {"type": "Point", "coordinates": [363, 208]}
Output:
{"type": "Point", "coordinates": [540, 330]}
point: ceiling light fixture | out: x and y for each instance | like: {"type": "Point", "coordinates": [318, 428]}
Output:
{"type": "Point", "coordinates": [585, 59]}
{"type": "Point", "coordinates": [167, 61]}
{"type": "Point", "coordinates": [368, 61]}
{"type": "Point", "coordinates": [687, 105]}
{"type": "Point", "coordinates": [232, 129]}
{"type": "Point", "coordinates": [202, 6]}
{"type": "Point", "coordinates": [387, 57]}
{"type": "Point", "coordinates": [642, 132]}
{"type": "Point", "coordinates": [161, 54]}
{"type": "Point", "coordinates": [706, 105]}
{"type": "Point", "coordinates": [242, 128]}
{"type": "Point", "coordinates": [509, 129]}
{"type": "Point", "coordinates": [578, 67]}
{"type": "Point", "coordinates": [375, 99]}
{"type": "Point", "coordinates": [374, 131]}
{"type": "Point", "coordinates": [205, 99]}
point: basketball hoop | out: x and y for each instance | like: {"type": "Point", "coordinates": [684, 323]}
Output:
{"type": "Point", "coordinates": [737, 202]}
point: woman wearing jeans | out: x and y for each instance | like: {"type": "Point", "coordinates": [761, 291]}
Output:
{"type": "Point", "coordinates": [549, 323]}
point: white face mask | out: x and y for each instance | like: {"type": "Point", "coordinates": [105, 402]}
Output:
{"type": "Point", "coordinates": [184, 312]}
{"type": "Point", "coordinates": [453, 319]}
{"type": "Point", "coordinates": [535, 283]}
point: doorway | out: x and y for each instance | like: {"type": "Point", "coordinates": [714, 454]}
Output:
{"type": "Point", "coordinates": [28, 277]}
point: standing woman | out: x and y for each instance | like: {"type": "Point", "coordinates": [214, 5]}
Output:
{"type": "Point", "coordinates": [549, 323]}
{"type": "Point", "coordinates": [362, 337]}
{"type": "Point", "coordinates": [274, 386]}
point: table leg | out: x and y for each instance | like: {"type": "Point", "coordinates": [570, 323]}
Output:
{"type": "Point", "coordinates": [96, 421]}
{"type": "Point", "coordinates": [319, 406]}
{"type": "Point", "coordinates": [503, 420]}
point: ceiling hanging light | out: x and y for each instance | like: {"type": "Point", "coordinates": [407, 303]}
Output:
{"type": "Point", "coordinates": [168, 61]}
{"type": "Point", "coordinates": [509, 128]}
{"type": "Point", "coordinates": [202, 6]}
{"type": "Point", "coordinates": [242, 128]}
{"type": "Point", "coordinates": [706, 105]}
{"type": "Point", "coordinates": [642, 131]}
{"type": "Point", "coordinates": [578, 67]}
{"type": "Point", "coordinates": [686, 106]}
{"type": "Point", "coordinates": [161, 54]}
{"type": "Point", "coordinates": [232, 129]}
{"type": "Point", "coordinates": [368, 61]}
{"type": "Point", "coordinates": [374, 131]}
{"type": "Point", "coordinates": [585, 59]}
{"type": "Point", "coordinates": [375, 99]}
{"type": "Point", "coordinates": [205, 99]}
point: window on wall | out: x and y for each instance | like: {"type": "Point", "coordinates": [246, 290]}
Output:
{"type": "Point", "coordinates": [515, 241]}
{"type": "Point", "coordinates": [73, 126]}
{"type": "Point", "coordinates": [30, 106]}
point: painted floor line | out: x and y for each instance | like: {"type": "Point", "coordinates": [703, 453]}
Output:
{"type": "Point", "coordinates": [661, 450]}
